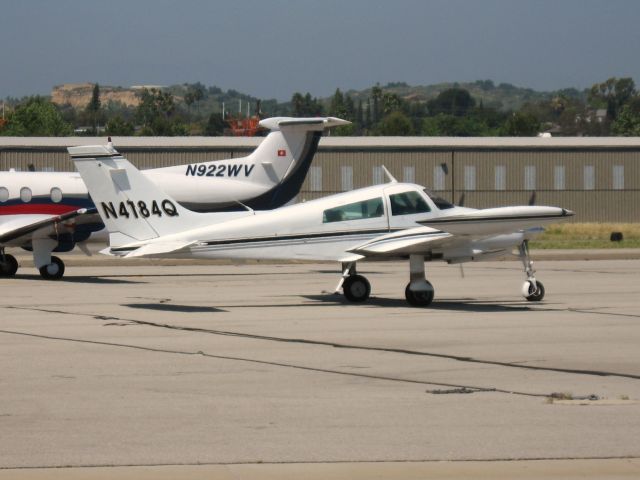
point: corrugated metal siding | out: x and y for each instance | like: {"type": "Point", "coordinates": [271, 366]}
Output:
{"type": "Point", "coordinates": [430, 163]}
{"type": "Point", "coordinates": [59, 161]}
{"type": "Point", "coordinates": [160, 158]}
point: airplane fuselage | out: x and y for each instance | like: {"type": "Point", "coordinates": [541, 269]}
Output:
{"type": "Point", "coordinates": [329, 228]}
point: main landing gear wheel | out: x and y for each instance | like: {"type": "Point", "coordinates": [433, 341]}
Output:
{"type": "Point", "coordinates": [421, 298]}
{"type": "Point", "coordinates": [356, 288]}
{"type": "Point", "coordinates": [533, 293]}
{"type": "Point", "coordinates": [54, 270]}
{"type": "Point", "coordinates": [8, 265]}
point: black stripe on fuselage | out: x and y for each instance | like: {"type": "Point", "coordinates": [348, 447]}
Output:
{"type": "Point", "coordinates": [306, 236]}
{"type": "Point", "coordinates": [282, 238]}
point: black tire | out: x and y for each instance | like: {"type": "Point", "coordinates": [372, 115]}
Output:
{"type": "Point", "coordinates": [356, 288]}
{"type": "Point", "coordinates": [535, 294]}
{"type": "Point", "coordinates": [420, 298]}
{"type": "Point", "coordinates": [8, 266]}
{"type": "Point", "coordinates": [53, 271]}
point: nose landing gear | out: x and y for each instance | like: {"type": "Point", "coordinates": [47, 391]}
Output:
{"type": "Point", "coordinates": [532, 289]}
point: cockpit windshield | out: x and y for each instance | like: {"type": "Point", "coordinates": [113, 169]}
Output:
{"type": "Point", "coordinates": [440, 202]}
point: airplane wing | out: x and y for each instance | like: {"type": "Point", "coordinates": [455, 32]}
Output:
{"type": "Point", "coordinates": [497, 221]}
{"type": "Point", "coordinates": [22, 227]}
{"type": "Point", "coordinates": [461, 235]}
{"type": "Point", "coordinates": [148, 249]}
{"type": "Point", "coordinates": [405, 242]}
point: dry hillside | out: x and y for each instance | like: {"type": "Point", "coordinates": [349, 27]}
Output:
{"type": "Point", "coordinates": [78, 95]}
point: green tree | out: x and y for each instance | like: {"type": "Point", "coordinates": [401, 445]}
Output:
{"type": "Point", "coordinates": [195, 93]}
{"type": "Point", "coordinates": [376, 96]}
{"type": "Point", "coordinates": [349, 108]}
{"type": "Point", "coordinates": [215, 126]}
{"type": "Point", "coordinates": [118, 126]}
{"type": "Point", "coordinates": [156, 114]}
{"type": "Point", "coordinates": [395, 124]}
{"type": "Point", "coordinates": [93, 107]}
{"type": "Point", "coordinates": [337, 106]}
{"type": "Point", "coordinates": [627, 123]}
{"type": "Point", "coordinates": [521, 125]}
{"type": "Point", "coordinates": [303, 106]}
{"type": "Point", "coordinates": [453, 126]}
{"type": "Point", "coordinates": [390, 103]}
{"type": "Point", "coordinates": [36, 117]}
{"type": "Point", "coordinates": [612, 94]}
{"type": "Point", "coordinates": [94, 103]}
{"type": "Point", "coordinates": [453, 101]}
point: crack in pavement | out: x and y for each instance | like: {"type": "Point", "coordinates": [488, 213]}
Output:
{"type": "Point", "coordinates": [459, 358]}
{"type": "Point", "coordinates": [274, 364]}
{"type": "Point", "coordinates": [333, 462]}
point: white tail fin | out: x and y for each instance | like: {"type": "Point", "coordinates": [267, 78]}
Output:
{"type": "Point", "coordinates": [132, 207]}
{"type": "Point", "coordinates": [287, 153]}
{"type": "Point", "coordinates": [276, 168]}
{"type": "Point", "coordinates": [289, 144]}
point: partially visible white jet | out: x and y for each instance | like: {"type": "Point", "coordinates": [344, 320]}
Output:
{"type": "Point", "coordinates": [52, 212]}
{"type": "Point", "coordinates": [390, 220]}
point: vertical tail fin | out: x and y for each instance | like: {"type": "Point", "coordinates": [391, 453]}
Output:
{"type": "Point", "coordinates": [132, 207]}
{"type": "Point", "coordinates": [284, 157]}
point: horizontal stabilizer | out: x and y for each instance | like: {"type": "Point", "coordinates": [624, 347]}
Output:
{"type": "Point", "coordinates": [494, 221]}
{"type": "Point", "coordinates": [94, 151]}
{"type": "Point", "coordinates": [311, 123]}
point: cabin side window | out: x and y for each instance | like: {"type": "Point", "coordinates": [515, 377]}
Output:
{"type": "Point", "coordinates": [440, 202]}
{"type": "Point", "coordinates": [25, 194]}
{"type": "Point", "coordinates": [56, 195]}
{"type": "Point", "coordinates": [408, 203]}
{"type": "Point", "coordinates": [354, 211]}
{"type": "Point", "coordinates": [4, 194]}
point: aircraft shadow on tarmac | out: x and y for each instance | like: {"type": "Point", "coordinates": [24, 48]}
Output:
{"type": "Point", "coordinates": [80, 279]}
{"type": "Point", "coordinates": [166, 307]}
{"type": "Point", "coordinates": [463, 304]}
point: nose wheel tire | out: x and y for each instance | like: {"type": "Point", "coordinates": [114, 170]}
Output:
{"type": "Point", "coordinates": [54, 270]}
{"type": "Point", "coordinates": [356, 288]}
{"type": "Point", "coordinates": [8, 266]}
{"type": "Point", "coordinates": [533, 293]}
{"type": "Point", "coordinates": [420, 298]}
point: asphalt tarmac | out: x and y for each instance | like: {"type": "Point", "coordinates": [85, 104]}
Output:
{"type": "Point", "coordinates": [257, 371]}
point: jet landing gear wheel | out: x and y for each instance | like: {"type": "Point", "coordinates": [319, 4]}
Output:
{"type": "Point", "coordinates": [356, 288]}
{"type": "Point", "coordinates": [8, 265]}
{"type": "Point", "coordinates": [532, 289]}
{"type": "Point", "coordinates": [420, 298]}
{"type": "Point", "coordinates": [533, 293]}
{"type": "Point", "coordinates": [54, 270]}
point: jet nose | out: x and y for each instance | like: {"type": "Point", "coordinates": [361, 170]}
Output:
{"type": "Point", "coordinates": [568, 213]}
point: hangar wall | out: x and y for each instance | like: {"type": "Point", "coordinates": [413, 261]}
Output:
{"type": "Point", "coordinates": [599, 178]}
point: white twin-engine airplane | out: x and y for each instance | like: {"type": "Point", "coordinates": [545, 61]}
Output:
{"type": "Point", "coordinates": [389, 220]}
{"type": "Point", "coordinates": [52, 212]}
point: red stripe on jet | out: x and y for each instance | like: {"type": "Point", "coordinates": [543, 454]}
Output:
{"type": "Point", "coordinates": [34, 208]}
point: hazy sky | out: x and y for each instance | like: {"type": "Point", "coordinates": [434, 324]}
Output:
{"type": "Point", "coordinates": [272, 48]}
